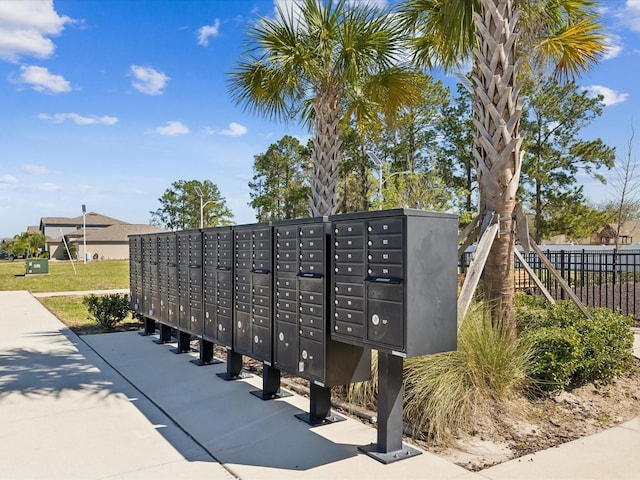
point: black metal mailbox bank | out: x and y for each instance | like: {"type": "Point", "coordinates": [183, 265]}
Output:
{"type": "Point", "coordinates": [303, 346]}
{"type": "Point", "coordinates": [394, 289]}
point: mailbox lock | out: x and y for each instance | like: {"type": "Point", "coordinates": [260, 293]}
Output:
{"type": "Point", "coordinates": [305, 355]}
{"type": "Point", "coordinates": [239, 324]}
{"type": "Point", "coordinates": [256, 339]}
{"type": "Point", "coordinates": [375, 319]}
{"type": "Point", "coordinates": [220, 326]}
{"type": "Point", "coordinates": [281, 336]}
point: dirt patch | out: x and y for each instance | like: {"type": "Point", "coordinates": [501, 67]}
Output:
{"type": "Point", "coordinates": [545, 422]}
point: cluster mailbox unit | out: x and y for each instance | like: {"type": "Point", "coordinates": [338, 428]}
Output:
{"type": "Point", "coordinates": [310, 297]}
{"type": "Point", "coordinates": [394, 290]}
{"type": "Point", "coordinates": [218, 286]}
{"type": "Point", "coordinates": [303, 345]}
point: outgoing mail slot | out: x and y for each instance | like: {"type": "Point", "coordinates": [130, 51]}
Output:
{"type": "Point", "coordinates": [311, 285]}
{"type": "Point", "coordinates": [392, 293]}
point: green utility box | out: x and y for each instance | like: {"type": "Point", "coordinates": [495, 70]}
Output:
{"type": "Point", "coordinates": [37, 266]}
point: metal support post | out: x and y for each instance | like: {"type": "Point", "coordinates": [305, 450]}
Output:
{"type": "Point", "coordinates": [234, 367]}
{"type": "Point", "coordinates": [184, 343]}
{"type": "Point", "coordinates": [270, 384]}
{"type": "Point", "coordinates": [206, 354]}
{"type": "Point", "coordinates": [389, 448]}
{"type": "Point", "coordinates": [319, 407]}
{"type": "Point", "coordinates": [149, 327]}
{"type": "Point", "coordinates": [165, 334]}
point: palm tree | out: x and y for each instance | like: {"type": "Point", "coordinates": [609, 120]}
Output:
{"type": "Point", "coordinates": [303, 61]}
{"type": "Point", "coordinates": [561, 33]}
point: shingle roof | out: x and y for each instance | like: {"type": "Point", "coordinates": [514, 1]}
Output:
{"type": "Point", "coordinates": [117, 233]}
{"type": "Point", "coordinates": [91, 219]}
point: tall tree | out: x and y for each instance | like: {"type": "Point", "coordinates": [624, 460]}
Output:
{"type": "Point", "coordinates": [301, 62]}
{"type": "Point", "coordinates": [626, 184]}
{"type": "Point", "coordinates": [280, 187]}
{"type": "Point", "coordinates": [180, 206]}
{"type": "Point", "coordinates": [554, 153]}
{"type": "Point", "coordinates": [455, 157]}
{"type": "Point", "coordinates": [449, 32]}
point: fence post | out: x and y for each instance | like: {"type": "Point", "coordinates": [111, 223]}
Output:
{"type": "Point", "coordinates": [562, 295]}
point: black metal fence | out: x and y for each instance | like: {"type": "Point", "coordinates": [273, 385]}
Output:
{"type": "Point", "coordinates": [600, 278]}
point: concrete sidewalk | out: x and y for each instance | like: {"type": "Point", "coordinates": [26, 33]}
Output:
{"type": "Point", "coordinates": [121, 406]}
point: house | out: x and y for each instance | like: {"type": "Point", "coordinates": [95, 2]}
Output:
{"type": "Point", "coordinates": [629, 232]}
{"type": "Point", "coordinates": [106, 238]}
{"type": "Point", "coordinates": [54, 227]}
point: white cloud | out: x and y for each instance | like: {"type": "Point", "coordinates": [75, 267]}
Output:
{"type": "Point", "coordinates": [26, 26]}
{"type": "Point", "coordinates": [234, 130]}
{"type": "Point", "coordinates": [148, 80]}
{"type": "Point", "coordinates": [171, 129]}
{"type": "Point", "coordinates": [611, 97]}
{"type": "Point", "coordinates": [79, 119]}
{"type": "Point", "coordinates": [33, 169]}
{"type": "Point", "coordinates": [630, 14]}
{"type": "Point", "coordinates": [208, 31]}
{"type": "Point", "coordinates": [613, 47]}
{"type": "Point", "coordinates": [41, 80]}
{"type": "Point", "coordinates": [8, 179]}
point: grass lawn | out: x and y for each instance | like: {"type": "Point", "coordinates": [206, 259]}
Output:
{"type": "Point", "coordinates": [96, 275]}
{"type": "Point", "coordinates": [100, 275]}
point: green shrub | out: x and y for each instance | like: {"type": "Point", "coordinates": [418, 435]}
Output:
{"type": "Point", "coordinates": [572, 349]}
{"type": "Point", "coordinates": [557, 353]}
{"type": "Point", "coordinates": [108, 310]}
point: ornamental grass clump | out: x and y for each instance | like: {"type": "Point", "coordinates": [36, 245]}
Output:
{"type": "Point", "coordinates": [445, 392]}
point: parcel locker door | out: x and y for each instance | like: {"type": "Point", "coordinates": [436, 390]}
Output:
{"type": "Point", "coordinates": [224, 327]}
{"type": "Point", "coordinates": [261, 343]}
{"type": "Point", "coordinates": [242, 332]}
{"type": "Point", "coordinates": [286, 343]}
{"type": "Point", "coordinates": [385, 323]}
{"type": "Point", "coordinates": [312, 358]}
{"type": "Point", "coordinates": [209, 331]}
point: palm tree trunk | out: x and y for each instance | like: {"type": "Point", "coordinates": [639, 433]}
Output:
{"type": "Point", "coordinates": [325, 155]}
{"type": "Point", "coordinates": [497, 141]}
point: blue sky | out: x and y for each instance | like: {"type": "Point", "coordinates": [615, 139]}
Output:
{"type": "Point", "coordinates": [107, 103]}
